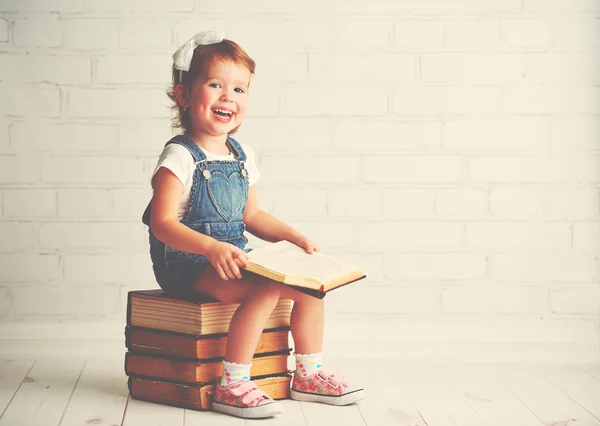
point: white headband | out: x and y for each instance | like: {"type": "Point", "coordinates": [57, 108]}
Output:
{"type": "Point", "coordinates": [182, 59]}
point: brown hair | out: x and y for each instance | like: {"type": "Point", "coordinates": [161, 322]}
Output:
{"type": "Point", "coordinates": [226, 50]}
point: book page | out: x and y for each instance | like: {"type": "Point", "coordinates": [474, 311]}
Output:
{"type": "Point", "coordinates": [289, 259]}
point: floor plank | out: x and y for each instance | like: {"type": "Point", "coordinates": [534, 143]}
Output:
{"type": "Point", "coordinates": [579, 386]}
{"type": "Point", "coordinates": [322, 414]}
{"type": "Point", "coordinates": [436, 401]}
{"type": "Point", "coordinates": [594, 371]}
{"type": "Point", "coordinates": [100, 395]}
{"type": "Point", "coordinates": [43, 396]}
{"type": "Point", "coordinates": [386, 404]}
{"type": "Point", "coordinates": [142, 413]}
{"type": "Point", "coordinates": [292, 416]}
{"type": "Point", "coordinates": [210, 418]}
{"type": "Point", "coordinates": [12, 374]}
{"type": "Point", "coordinates": [492, 401]}
{"type": "Point", "coordinates": [548, 403]}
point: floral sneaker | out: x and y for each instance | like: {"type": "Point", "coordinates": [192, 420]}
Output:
{"type": "Point", "coordinates": [244, 399]}
{"type": "Point", "coordinates": [325, 387]}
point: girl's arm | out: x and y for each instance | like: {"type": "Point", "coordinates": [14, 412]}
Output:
{"type": "Point", "coordinates": [267, 227]}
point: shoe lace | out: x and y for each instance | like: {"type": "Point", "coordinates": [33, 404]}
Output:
{"type": "Point", "coordinates": [335, 379]}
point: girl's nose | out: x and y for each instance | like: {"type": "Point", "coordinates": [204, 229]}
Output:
{"type": "Point", "coordinates": [226, 96]}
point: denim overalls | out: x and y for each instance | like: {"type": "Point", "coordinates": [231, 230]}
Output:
{"type": "Point", "coordinates": [217, 201]}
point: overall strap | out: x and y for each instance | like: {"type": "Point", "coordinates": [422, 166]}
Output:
{"type": "Point", "coordinates": [236, 149]}
{"type": "Point", "coordinates": [196, 152]}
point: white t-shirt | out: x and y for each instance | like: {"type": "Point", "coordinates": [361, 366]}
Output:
{"type": "Point", "coordinates": [178, 160]}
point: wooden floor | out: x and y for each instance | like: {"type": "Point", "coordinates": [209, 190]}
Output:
{"type": "Point", "coordinates": [69, 393]}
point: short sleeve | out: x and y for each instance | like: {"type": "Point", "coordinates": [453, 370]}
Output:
{"type": "Point", "coordinates": [253, 172]}
{"type": "Point", "coordinates": [178, 160]}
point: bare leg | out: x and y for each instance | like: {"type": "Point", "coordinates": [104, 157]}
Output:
{"type": "Point", "coordinates": [258, 297]}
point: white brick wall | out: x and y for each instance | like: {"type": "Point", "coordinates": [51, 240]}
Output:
{"type": "Point", "coordinates": [450, 148]}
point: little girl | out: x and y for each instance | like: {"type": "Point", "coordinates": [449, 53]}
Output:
{"type": "Point", "coordinates": [204, 199]}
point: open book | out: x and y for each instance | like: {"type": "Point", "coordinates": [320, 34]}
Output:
{"type": "Point", "coordinates": [315, 273]}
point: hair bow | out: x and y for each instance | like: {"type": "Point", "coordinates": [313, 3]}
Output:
{"type": "Point", "coordinates": [182, 59]}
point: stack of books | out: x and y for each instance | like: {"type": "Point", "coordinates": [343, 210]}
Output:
{"type": "Point", "coordinates": [176, 347]}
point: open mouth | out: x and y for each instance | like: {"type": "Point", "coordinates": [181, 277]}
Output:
{"type": "Point", "coordinates": [223, 114]}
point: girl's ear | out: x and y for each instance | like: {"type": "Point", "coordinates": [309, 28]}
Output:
{"type": "Point", "coordinates": [182, 95]}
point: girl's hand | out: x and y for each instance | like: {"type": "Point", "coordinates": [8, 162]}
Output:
{"type": "Point", "coordinates": [306, 244]}
{"type": "Point", "coordinates": [223, 257]}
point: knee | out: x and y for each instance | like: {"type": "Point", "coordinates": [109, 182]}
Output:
{"type": "Point", "coordinates": [267, 290]}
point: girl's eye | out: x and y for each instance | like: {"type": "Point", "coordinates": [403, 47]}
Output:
{"type": "Point", "coordinates": [215, 85]}
{"type": "Point", "coordinates": [239, 90]}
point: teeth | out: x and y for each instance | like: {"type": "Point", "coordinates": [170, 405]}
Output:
{"type": "Point", "coordinates": [221, 111]}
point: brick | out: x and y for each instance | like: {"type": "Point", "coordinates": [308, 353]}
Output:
{"type": "Point", "coordinates": [301, 203]}
{"type": "Point", "coordinates": [134, 69]}
{"type": "Point", "coordinates": [525, 33]}
{"type": "Point", "coordinates": [5, 302]}
{"type": "Point", "coordinates": [561, 7]}
{"type": "Point", "coordinates": [391, 67]}
{"type": "Point", "coordinates": [29, 203]}
{"type": "Point", "coordinates": [356, 299]}
{"type": "Point", "coordinates": [521, 169]}
{"type": "Point", "coordinates": [419, 35]}
{"type": "Point", "coordinates": [15, 169]}
{"type": "Point", "coordinates": [141, 34]}
{"type": "Point", "coordinates": [370, 264]}
{"type": "Point", "coordinates": [259, 34]}
{"type": "Point", "coordinates": [435, 266]}
{"type": "Point", "coordinates": [466, 7]}
{"type": "Point", "coordinates": [5, 127]}
{"type": "Point", "coordinates": [551, 100]}
{"type": "Point", "coordinates": [588, 170]}
{"type": "Point", "coordinates": [129, 203]}
{"type": "Point", "coordinates": [62, 301]}
{"type": "Point", "coordinates": [109, 269]}
{"type": "Point", "coordinates": [84, 203]}
{"type": "Point", "coordinates": [339, 34]}
{"type": "Point", "coordinates": [495, 300]}
{"type": "Point", "coordinates": [414, 204]}
{"type": "Point", "coordinates": [90, 34]}
{"type": "Point", "coordinates": [446, 100]}
{"type": "Point", "coordinates": [356, 134]}
{"type": "Point", "coordinates": [144, 136]}
{"type": "Point", "coordinates": [86, 137]}
{"type": "Point", "coordinates": [463, 68]}
{"type": "Point", "coordinates": [93, 236]}
{"type": "Point", "coordinates": [17, 236]}
{"type": "Point", "coordinates": [93, 170]}
{"type": "Point", "coordinates": [581, 300]}
{"type": "Point", "coordinates": [575, 133]}
{"type": "Point", "coordinates": [354, 204]}
{"type": "Point", "coordinates": [117, 103]}
{"type": "Point", "coordinates": [577, 33]}
{"type": "Point", "coordinates": [410, 236]}
{"type": "Point", "coordinates": [547, 267]}
{"type": "Point", "coordinates": [27, 268]}
{"type": "Point", "coordinates": [335, 101]}
{"type": "Point", "coordinates": [310, 170]}
{"type": "Point", "coordinates": [263, 102]}
{"type": "Point", "coordinates": [302, 134]}
{"type": "Point", "coordinates": [26, 101]}
{"type": "Point", "coordinates": [329, 236]}
{"type": "Point", "coordinates": [571, 203]}
{"type": "Point", "coordinates": [261, 7]}
{"type": "Point", "coordinates": [569, 68]}
{"type": "Point", "coordinates": [138, 6]}
{"type": "Point", "coordinates": [586, 237]}
{"type": "Point", "coordinates": [186, 28]}
{"type": "Point", "coordinates": [462, 203]}
{"type": "Point", "coordinates": [45, 69]}
{"type": "Point", "coordinates": [62, 6]}
{"type": "Point", "coordinates": [3, 30]}
{"type": "Point", "coordinates": [280, 68]}
{"type": "Point", "coordinates": [477, 34]}
{"type": "Point", "coordinates": [517, 203]}
{"type": "Point", "coordinates": [496, 134]}
{"type": "Point", "coordinates": [519, 236]}
{"type": "Point", "coordinates": [37, 31]}
{"type": "Point", "coordinates": [411, 169]}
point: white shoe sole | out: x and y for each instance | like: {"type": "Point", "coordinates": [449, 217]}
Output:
{"type": "Point", "coordinates": [268, 409]}
{"type": "Point", "coordinates": [349, 398]}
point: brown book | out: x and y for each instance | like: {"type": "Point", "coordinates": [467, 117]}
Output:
{"type": "Point", "coordinates": [314, 274]}
{"type": "Point", "coordinates": [165, 343]}
{"type": "Point", "coordinates": [192, 315]}
{"type": "Point", "coordinates": [199, 371]}
{"type": "Point", "coordinates": [197, 397]}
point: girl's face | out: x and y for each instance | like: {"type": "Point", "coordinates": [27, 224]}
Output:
{"type": "Point", "coordinates": [219, 97]}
